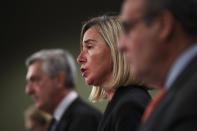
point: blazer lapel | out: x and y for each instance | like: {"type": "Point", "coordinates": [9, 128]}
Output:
{"type": "Point", "coordinates": [64, 123]}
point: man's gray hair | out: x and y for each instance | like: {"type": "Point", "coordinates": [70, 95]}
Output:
{"type": "Point", "coordinates": [56, 60]}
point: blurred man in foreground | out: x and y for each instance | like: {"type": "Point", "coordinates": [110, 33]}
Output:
{"type": "Point", "coordinates": [160, 42]}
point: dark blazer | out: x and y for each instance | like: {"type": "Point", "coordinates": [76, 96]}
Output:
{"type": "Point", "coordinates": [177, 110]}
{"type": "Point", "coordinates": [124, 111]}
{"type": "Point", "coordinates": [79, 117]}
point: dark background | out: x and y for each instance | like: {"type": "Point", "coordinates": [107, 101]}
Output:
{"type": "Point", "coordinates": [28, 26]}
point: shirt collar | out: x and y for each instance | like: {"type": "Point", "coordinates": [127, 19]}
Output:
{"type": "Point", "coordinates": [181, 62]}
{"type": "Point", "coordinates": [64, 104]}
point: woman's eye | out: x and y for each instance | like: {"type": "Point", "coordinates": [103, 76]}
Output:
{"type": "Point", "coordinates": [89, 47]}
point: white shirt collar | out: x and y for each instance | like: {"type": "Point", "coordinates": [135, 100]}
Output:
{"type": "Point", "coordinates": [64, 104]}
{"type": "Point", "coordinates": [181, 62]}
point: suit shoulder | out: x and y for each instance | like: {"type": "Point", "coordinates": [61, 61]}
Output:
{"type": "Point", "coordinates": [81, 108]}
{"type": "Point", "coordinates": [133, 94]}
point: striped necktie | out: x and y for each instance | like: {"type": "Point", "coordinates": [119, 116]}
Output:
{"type": "Point", "coordinates": [152, 104]}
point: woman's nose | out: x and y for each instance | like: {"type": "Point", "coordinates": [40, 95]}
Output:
{"type": "Point", "coordinates": [81, 58]}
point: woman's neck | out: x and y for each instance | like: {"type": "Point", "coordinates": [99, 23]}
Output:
{"type": "Point", "coordinates": [110, 93]}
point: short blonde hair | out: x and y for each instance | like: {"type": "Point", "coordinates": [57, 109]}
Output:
{"type": "Point", "coordinates": [110, 28]}
{"type": "Point", "coordinates": [37, 116]}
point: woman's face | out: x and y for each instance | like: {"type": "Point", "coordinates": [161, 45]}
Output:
{"type": "Point", "coordinates": [95, 59]}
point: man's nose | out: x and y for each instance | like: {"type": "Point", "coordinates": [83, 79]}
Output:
{"type": "Point", "coordinates": [122, 43]}
{"type": "Point", "coordinates": [29, 89]}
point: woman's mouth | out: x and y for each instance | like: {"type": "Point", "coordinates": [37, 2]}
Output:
{"type": "Point", "coordinates": [83, 71]}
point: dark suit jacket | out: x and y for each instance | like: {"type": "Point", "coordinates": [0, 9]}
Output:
{"type": "Point", "coordinates": [124, 111]}
{"type": "Point", "coordinates": [177, 110]}
{"type": "Point", "coordinates": [79, 117]}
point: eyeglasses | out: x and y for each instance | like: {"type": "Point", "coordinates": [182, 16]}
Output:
{"type": "Point", "coordinates": [129, 25]}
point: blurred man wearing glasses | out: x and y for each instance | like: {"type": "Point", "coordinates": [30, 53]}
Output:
{"type": "Point", "coordinates": [160, 42]}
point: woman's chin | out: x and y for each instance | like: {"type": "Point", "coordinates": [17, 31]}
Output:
{"type": "Point", "coordinates": [91, 82]}
{"type": "Point", "coordinates": [88, 81]}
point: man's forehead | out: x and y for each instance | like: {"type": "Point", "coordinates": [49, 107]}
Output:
{"type": "Point", "coordinates": [131, 8]}
{"type": "Point", "coordinates": [34, 68]}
